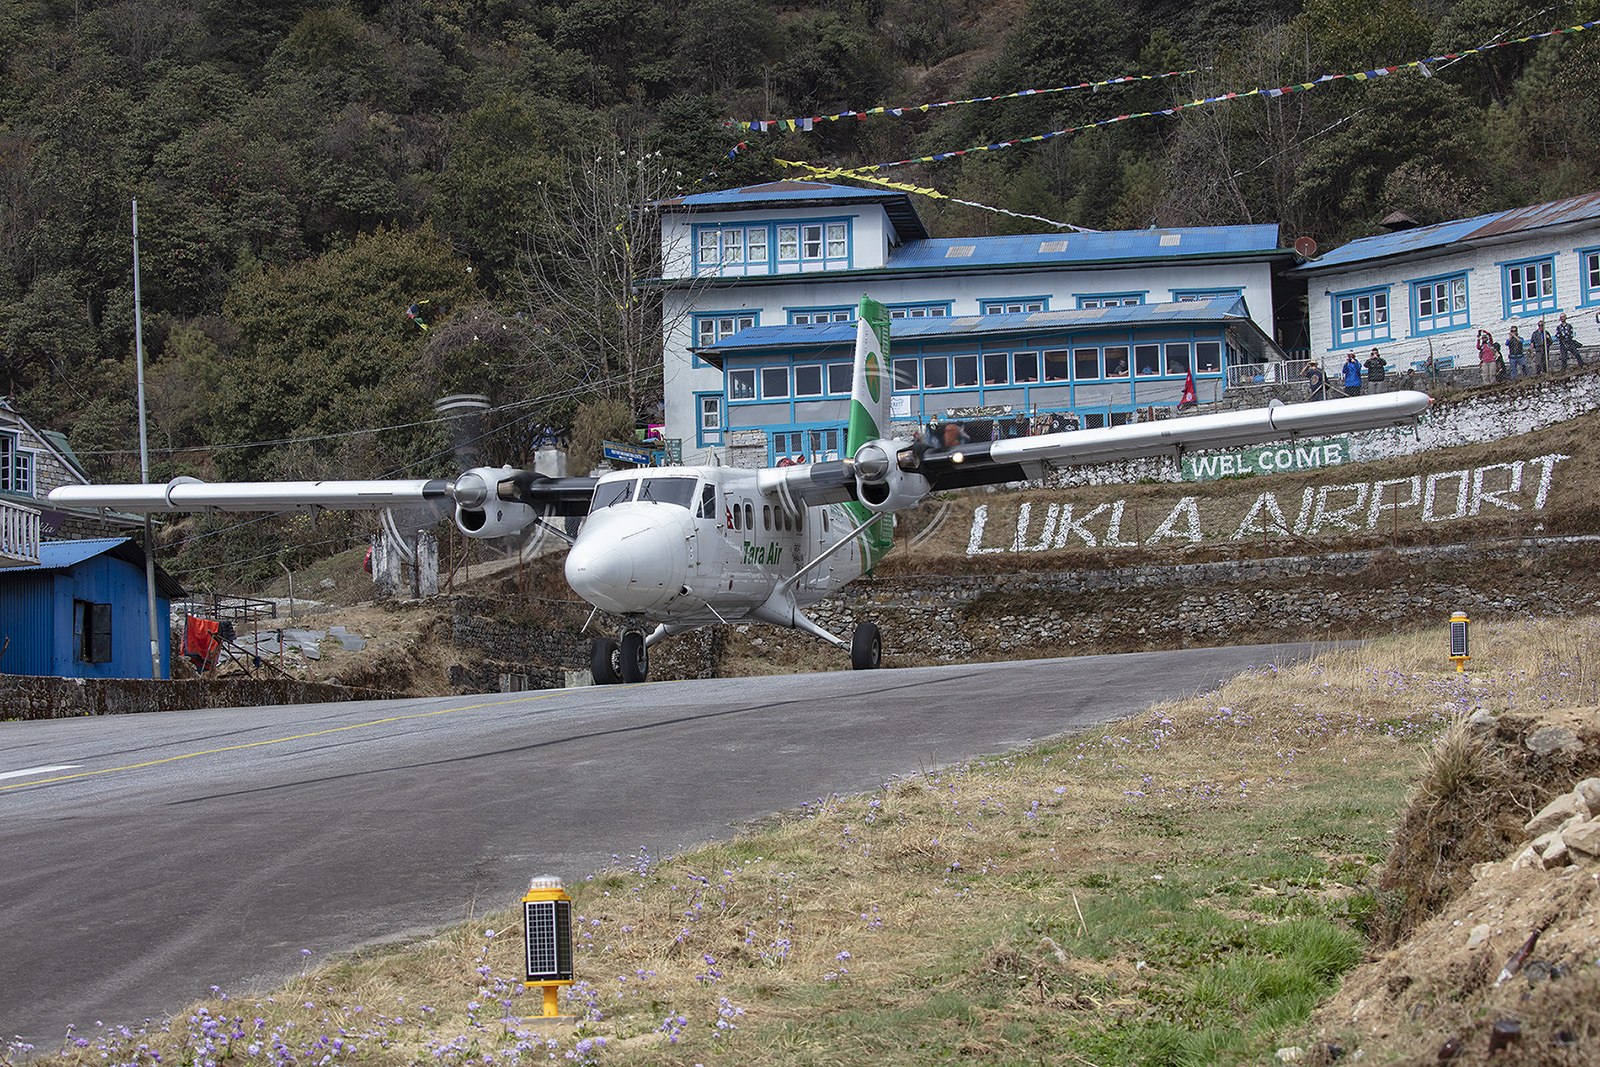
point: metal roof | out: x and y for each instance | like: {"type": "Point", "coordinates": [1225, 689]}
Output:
{"type": "Point", "coordinates": [1109, 246]}
{"type": "Point", "coordinates": [1461, 233]}
{"type": "Point", "coordinates": [1227, 310]}
{"type": "Point", "coordinates": [907, 223]}
{"type": "Point", "coordinates": [60, 555]}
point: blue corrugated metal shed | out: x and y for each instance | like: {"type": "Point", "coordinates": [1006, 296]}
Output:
{"type": "Point", "coordinates": [1229, 310]}
{"type": "Point", "coordinates": [80, 586]}
{"type": "Point", "coordinates": [1426, 240]}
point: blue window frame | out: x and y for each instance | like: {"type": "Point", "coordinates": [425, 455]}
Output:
{"type": "Point", "coordinates": [919, 311]}
{"type": "Point", "coordinates": [813, 316]}
{"type": "Point", "coordinates": [16, 466]}
{"type": "Point", "coordinates": [1360, 317]}
{"type": "Point", "coordinates": [813, 243]}
{"type": "Point", "coordinates": [714, 327]}
{"type": "Point", "coordinates": [1187, 295]}
{"type": "Point", "coordinates": [1014, 305]}
{"type": "Point", "coordinates": [1090, 301]}
{"type": "Point", "coordinates": [1529, 287]}
{"type": "Point", "coordinates": [1439, 304]}
{"type": "Point", "coordinates": [732, 245]}
{"type": "Point", "coordinates": [708, 412]}
{"type": "Point", "coordinates": [1589, 275]}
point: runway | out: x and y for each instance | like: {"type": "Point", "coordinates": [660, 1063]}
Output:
{"type": "Point", "coordinates": [148, 858]}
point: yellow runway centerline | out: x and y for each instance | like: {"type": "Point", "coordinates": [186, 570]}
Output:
{"type": "Point", "coordinates": [273, 741]}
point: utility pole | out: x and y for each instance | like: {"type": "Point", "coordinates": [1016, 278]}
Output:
{"type": "Point", "coordinates": [144, 460]}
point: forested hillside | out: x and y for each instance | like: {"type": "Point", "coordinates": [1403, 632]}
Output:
{"type": "Point", "coordinates": [308, 173]}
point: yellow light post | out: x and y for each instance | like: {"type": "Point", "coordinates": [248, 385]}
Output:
{"type": "Point", "coordinates": [1459, 625]}
{"type": "Point", "coordinates": [547, 936]}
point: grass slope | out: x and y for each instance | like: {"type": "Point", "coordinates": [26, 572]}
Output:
{"type": "Point", "coordinates": [1182, 887]}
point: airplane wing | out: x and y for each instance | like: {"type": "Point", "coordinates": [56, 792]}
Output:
{"type": "Point", "coordinates": [559, 496]}
{"type": "Point", "coordinates": [1025, 458]}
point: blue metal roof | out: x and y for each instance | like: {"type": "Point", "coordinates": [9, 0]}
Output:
{"type": "Point", "coordinates": [1228, 310]}
{"type": "Point", "coordinates": [964, 253]}
{"type": "Point", "coordinates": [1425, 239]}
{"type": "Point", "coordinates": [59, 555]}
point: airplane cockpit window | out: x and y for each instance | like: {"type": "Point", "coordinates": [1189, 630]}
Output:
{"type": "Point", "coordinates": [708, 502]}
{"type": "Point", "coordinates": [609, 493]}
{"type": "Point", "coordinates": [679, 491]}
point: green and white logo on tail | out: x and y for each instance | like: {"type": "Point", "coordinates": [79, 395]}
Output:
{"type": "Point", "coordinates": [869, 412]}
{"type": "Point", "coordinates": [870, 392]}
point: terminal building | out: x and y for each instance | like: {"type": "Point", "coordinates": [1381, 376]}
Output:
{"type": "Point", "coordinates": [1015, 333]}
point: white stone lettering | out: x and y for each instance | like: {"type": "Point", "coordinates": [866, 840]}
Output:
{"type": "Point", "coordinates": [1549, 464]}
{"type": "Point", "coordinates": [1415, 482]}
{"type": "Point", "coordinates": [1493, 496]}
{"type": "Point", "coordinates": [1428, 496]}
{"type": "Point", "coordinates": [1068, 525]}
{"type": "Point", "coordinates": [1191, 515]}
{"type": "Point", "coordinates": [1336, 517]}
{"type": "Point", "coordinates": [1268, 503]}
{"type": "Point", "coordinates": [980, 519]}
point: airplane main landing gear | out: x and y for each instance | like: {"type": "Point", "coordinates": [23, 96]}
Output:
{"type": "Point", "coordinates": [611, 662]}
{"type": "Point", "coordinates": [866, 648]}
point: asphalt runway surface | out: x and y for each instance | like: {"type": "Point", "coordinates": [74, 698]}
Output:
{"type": "Point", "coordinates": [146, 858]}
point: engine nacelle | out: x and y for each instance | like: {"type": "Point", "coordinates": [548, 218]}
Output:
{"type": "Point", "coordinates": [880, 483]}
{"type": "Point", "coordinates": [497, 518]}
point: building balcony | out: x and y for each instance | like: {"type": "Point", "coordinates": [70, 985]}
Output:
{"type": "Point", "coordinates": [19, 535]}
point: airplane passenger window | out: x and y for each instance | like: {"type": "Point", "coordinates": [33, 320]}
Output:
{"type": "Point", "coordinates": [800, 521]}
{"type": "Point", "coordinates": [766, 517]}
{"type": "Point", "coordinates": [749, 518]}
{"type": "Point", "coordinates": [609, 493]}
{"type": "Point", "coordinates": [679, 491]}
{"type": "Point", "coordinates": [708, 502]}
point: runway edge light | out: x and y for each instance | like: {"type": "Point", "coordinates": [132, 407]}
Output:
{"type": "Point", "coordinates": [1459, 627]}
{"type": "Point", "coordinates": [547, 936]}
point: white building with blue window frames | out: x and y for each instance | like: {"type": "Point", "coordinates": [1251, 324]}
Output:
{"type": "Point", "coordinates": [761, 285]}
{"type": "Point", "coordinates": [1428, 290]}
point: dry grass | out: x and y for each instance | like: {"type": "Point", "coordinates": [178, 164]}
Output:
{"type": "Point", "coordinates": [1181, 887]}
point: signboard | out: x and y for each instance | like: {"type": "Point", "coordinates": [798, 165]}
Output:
{"type": "Point", "coordinates": [674, 450]}
{"type": "Point", "coordinates": [986, 411]}
{"type": "Point", "coordinates": [644, 457]}
{"type": "Point", "coordinates": [1268, 459]}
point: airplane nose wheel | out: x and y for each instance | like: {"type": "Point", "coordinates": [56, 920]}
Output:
{"type": "Point", "coordinates": [866, 648]}
{"type": "Point", "coordinates": [635, 657]}
{"type": "Point", "coordinates": [605, 661]}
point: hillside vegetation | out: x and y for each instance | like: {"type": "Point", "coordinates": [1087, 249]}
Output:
{"type": "Point", "coordinates": [350, 209]}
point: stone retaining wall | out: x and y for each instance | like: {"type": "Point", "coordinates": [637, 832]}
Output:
{"type": "Point", "coordinates": [32, 697]}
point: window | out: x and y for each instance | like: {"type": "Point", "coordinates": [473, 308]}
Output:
{"type": "Point", "coordinates": [16, 466]}
{"type": "Point", "coordinates": [918, 311]}
{"type": "Point", "coordinates": [1015, 305]}
{"type": "Point", "coordinates": [995, 368]}
{"type": "Point", "coordinates": [710, 431]}
{"type": "Point", "coordinates": [936, 373]}
{"type": "Point", "coordinates": [607, 494]}
{"type": "Point", "coordinates": [817, 316]}
{"type": "Point", "coordinates": [91, 632]}
{"type": "Point", "coordinates": [1147, 359]}
{"type": "Point", "coordinates": [841, 377]}
{"type": "Point", "coordinates": [708, 502]}
{"type": "Point", "coordinates": [1085, 363]}
{"type": "Point", "coordinates": [713, 329]}
{"type": "Point", "coordinates": [966, 371]}
{"type": "Point", "coordinates": [1208, 356]}
{"type": "Point", "coordinates": [742, 384]}
{"type": "Point", "coordinates": [1058, 365]}
{"type": "Point", "coordinates": [1177, 359]}
{"type": "Point", "coordinates": [1183, 295]}
{"type": "Point", "coordinates": [1530, 287]}
{"type": "Point", "coordinates": [905, 374]}
{"type": "Point", "coordinates": [823, 243]}
{"type": "Point", "coordinates": [730, 246]}
{"type": "Point", "coordinates": [1360, 317]}
{"type": "Point", "coordinates": [1589, 275]}
{"type": "Point", "coordinates": [1026, 368]}
{"type": "Point", "coordinates": [788, 244]}
{"type": "Point", "coordinates": [1440, 304]}
{"type": "Point", "coordinates": [825, 443]}
{"type": "Point", "coordinates": [774, 383]}
{"type": "Point", "coordinates": [1116, 361]}
{"type": "Point", "coordinates": [1109, 300]}
{"type": "Point", "coordinates": [808, 380]}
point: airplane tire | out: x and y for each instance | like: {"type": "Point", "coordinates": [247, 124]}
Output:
{"type": "Point", "coordinates": [866, 648]}
{"type": "Point", "coordinates": [635, 657]}
{"type": "Point", "coordinates": [604, 663]}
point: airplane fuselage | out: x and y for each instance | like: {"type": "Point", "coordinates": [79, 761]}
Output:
{"type": "Point", "coordinates": [695, 545]}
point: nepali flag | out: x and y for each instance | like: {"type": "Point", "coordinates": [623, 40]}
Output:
{"type": "Point", "coordinates": [1188, 400]}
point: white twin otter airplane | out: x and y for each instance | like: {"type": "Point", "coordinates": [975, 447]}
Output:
{"type": "Point", "coordinates": [684, 547]}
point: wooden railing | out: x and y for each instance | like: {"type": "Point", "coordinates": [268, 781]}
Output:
{"type": "Point", "coordinates": [19, 535]}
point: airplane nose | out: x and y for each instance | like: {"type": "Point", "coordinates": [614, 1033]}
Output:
{"type": "Point", "coordinates": [631, 559]}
